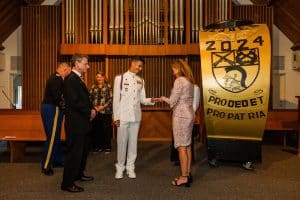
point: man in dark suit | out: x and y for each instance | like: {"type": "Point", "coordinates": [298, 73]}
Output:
{"type": "Point", "coordinates": [78, 116]}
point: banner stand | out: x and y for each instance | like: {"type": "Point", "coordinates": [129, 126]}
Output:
{"type": "Point", "coordinates": [235, 67]}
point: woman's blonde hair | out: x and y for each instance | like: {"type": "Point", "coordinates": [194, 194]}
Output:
{"type": "Point", "coordinates": [102, 74]}
{"type": "Point", "coordinates": [184, 69]}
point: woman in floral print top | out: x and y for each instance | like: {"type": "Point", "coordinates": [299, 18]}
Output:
{"type": "Point", "coordinates": [101, 97]}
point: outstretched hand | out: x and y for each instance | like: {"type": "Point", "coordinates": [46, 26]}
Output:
{"type": "Point", "coordinates": [159, 99]}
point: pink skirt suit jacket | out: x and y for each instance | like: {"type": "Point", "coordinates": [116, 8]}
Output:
{"type": "Point", "coordinates": [181, 102]}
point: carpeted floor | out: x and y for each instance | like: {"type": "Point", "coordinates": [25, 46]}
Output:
{"type": "Point", "coordinates": [277, 177]}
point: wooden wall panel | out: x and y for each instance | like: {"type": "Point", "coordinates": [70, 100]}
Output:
{"type": "Point", "coordinates": [41, 39]}
{"type": "Point", "coordinates": [158, 77]}
{"type": "Point", "coordinates": [194, 62]}
{"type": "Point", "coordinates": [116, 65]}
{"type": "Point", "coordinates": [97, 64]}
{"type": "Point", "coordinates": [156, 125]}
{"type": "Point", "coordinates": [156, 72]}
{"type": "Point", "coordinates": [256, 13]}
{"type": "Point", "coordinates": [217, 10]}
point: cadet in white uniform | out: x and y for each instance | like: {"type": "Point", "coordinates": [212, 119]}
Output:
{"type": "Point", "coordinates": [129, 93]}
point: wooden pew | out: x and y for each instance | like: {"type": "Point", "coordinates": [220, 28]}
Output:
{"type": "Point", "coordinates": [283, 121]}
{"type": "Point", "coordinates": [18, 127]}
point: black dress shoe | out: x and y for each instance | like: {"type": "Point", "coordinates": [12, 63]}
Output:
{"type": "Point", "coordinates": [48, 171]}
{"type": "Point", "coordinates": [72, 188]}
{"type": "Point", "coordinates": [86, 178]}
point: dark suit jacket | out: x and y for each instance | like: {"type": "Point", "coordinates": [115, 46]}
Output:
{"type": "Point", "coordinates": [78, 126]}
{"type": "Point", "coordinates": [78, 105]}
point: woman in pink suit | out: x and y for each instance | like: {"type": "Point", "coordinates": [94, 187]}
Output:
{"type": "Point", "coordinates": [181, 102]}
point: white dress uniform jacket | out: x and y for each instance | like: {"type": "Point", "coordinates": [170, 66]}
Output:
{"type": "Point", "coordinates": [129, 93]}
{"type": "Point", "coordinates": [196, 100]}
{"type": "Point", "coordinates": [128, 97]}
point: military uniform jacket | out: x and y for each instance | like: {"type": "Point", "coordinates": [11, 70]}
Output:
{"type": "Point", "coordinates": [129, 94]}
{"type": "Point", "coordinates": [54, 90]}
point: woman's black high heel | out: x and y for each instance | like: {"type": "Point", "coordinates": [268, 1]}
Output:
{"type": "Point", "coordinates": [190, 178]}
{"type": "Point", "coordinates": [186, 184]}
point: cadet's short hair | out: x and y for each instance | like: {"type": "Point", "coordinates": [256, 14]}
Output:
{"type": "Point", "coordinates": [63, 64]}
{"type": "Point", "coordinates": [137, 58]}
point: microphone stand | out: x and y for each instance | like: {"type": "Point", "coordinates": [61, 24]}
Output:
{"type": "Point", "coordinates": [10, 101]}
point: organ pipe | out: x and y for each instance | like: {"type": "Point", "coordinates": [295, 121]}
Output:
{"type": "Point", "coordinates": [111, 20]}
{"type": "Point", "coordinates": [117, 20]}
{"type": "Point", "coordinates": [152, 21]}
{"type": "Point", "coordinates": [193, 8]}
{"type": "Point", "coordinates": [67, 32]}
{"type": "Point", "coordinates": [157, 10]}
{"type": "Point", "coordinates": [145, 20]}
{"type": "Point", "coordinates": [181, 24]}
{"type": "Point", "coordinates": [72, 22]}
{"type": "Point", "coordinates": [100, 20]}
{"type": "Point", "coordinates": [121, 20]}
{"type": "Point", "coordinates": [171, 21]}
{"type": "Point", "coordinates": [92, 26]}
{"type": "Point", "coordinates": [176, 27]}
{"type": "Point", "coordinates": [140, 22]}
{"type": "Point", "coordinates": [135, 26]}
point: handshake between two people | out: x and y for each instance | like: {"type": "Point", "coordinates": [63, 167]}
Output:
{"type": "Point", "coordinates": [157, 99]}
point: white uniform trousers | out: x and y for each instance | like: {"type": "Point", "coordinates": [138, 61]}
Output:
{"type": "Point", "coordinates": [127, 134]}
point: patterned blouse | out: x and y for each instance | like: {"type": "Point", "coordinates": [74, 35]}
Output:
{"type": "Point", "coordinates": [102, 96]}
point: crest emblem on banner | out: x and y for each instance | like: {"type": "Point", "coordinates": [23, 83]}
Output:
{"type": "Point", "coordinates": [235, 70]}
